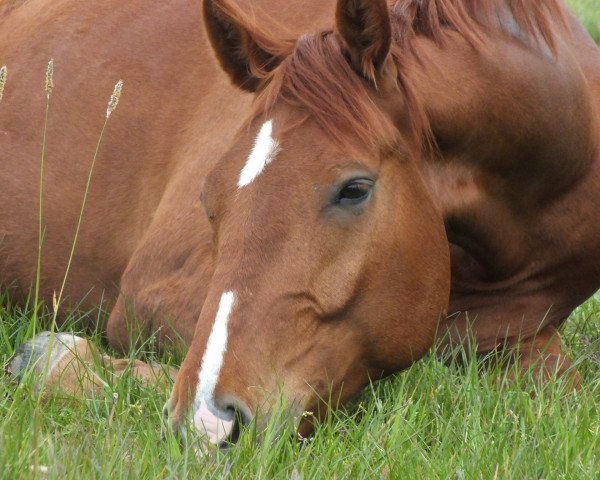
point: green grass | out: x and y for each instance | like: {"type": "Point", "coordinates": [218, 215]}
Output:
{"type": "Point", "coordinates": [588, 12]}
{"type": "Point", "coordinates": [434, 421]}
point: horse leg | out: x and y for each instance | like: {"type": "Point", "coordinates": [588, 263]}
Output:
{"type": "Point", "coordinates": [542, 355]}
{"type": "Point", "coordinates": [65, 365]}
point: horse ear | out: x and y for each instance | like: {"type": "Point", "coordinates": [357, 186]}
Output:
{"type": "Point", "coordinates": [244, 50]}
{"type": "Point", "coordinates": [365, 28]}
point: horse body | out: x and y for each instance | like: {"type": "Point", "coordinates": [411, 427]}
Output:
{"type": "Point", "coordinates": [157, 48]}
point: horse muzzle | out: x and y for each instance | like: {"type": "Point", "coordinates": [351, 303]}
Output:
{"type": "Point", "coordinates": [208, 424]}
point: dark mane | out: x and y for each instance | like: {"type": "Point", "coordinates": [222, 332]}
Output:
{"type": "Point", "coordinates": [316, 77]}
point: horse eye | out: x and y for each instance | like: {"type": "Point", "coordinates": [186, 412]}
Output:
{"type": "Point", "coordinates": [355, 192]}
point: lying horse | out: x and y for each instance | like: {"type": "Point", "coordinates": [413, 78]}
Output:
{"type": "Point", "coordinates": [323, 261]}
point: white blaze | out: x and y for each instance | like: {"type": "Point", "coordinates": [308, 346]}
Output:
{"type": "Point", "coordinates": [215, 423]}
{"type": "Point", "coordinates": [264, 151]}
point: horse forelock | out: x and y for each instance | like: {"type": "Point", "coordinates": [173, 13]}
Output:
{"type": "Point", "coordinates": [318, 80]}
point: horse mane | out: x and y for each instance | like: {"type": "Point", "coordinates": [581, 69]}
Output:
{"type": "Point", "coordinates": [470, 18]}
{"type": "Point", "coordinates": [316, 76]}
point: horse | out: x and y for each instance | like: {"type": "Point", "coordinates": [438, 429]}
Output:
{"type": "Point", "coordinates": [376, 154]}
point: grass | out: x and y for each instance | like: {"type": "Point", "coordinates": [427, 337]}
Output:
{"type": "Point", "coordinates": [434, 421]}
{"type": "Point", "coordinates": [588, 12]}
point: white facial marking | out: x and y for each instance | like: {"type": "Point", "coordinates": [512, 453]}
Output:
{"type": "Point", "coordinates": [210, 368]}
{"type": "Point", "coordinates": [213, 423]}
{"type": "Point", "coordinates": [264, 151]}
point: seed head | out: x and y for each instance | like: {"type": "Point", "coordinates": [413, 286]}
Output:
{"type": "Point", "coordinates": [54, 302]}
{"type": "Point", "coordinates": [3, 75]}
{"type": "Point", "coordinates": [49, 78]}
{"type": "Point", "coordinates": [114, 98]}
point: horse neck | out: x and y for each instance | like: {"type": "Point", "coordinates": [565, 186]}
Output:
{"type": "Point", "coordinates": [516, 128]}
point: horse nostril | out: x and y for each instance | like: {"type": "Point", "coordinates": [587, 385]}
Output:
{"type": "Point", "coordinates": [241, 417]}
{"type": "Point", "coordinates": [239, 411]}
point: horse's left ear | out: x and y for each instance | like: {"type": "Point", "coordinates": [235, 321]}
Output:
{"type": "Point", "coordinates": [244, 50]}
{"type": "Point", "coordinates": [365, 28]}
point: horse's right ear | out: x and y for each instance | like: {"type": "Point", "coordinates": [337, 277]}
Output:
{"type": "Point", "coordinates": [245, 51]}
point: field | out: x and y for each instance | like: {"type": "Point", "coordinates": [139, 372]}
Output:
{"type": "Point", "coordinates": [460, 420]}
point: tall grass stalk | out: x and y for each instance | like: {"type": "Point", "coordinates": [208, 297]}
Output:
{"type": "Point", "coordinates": [3, 76]}
{"type": "Point", "coordinates": [56, 300]}
{"type": "Point", "coordinates": [112, 105]}
{"type": "Point", "coordinates": [49, 86]}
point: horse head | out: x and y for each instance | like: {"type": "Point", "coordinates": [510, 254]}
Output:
{"type": "Point", "coordinates": [331, 261]}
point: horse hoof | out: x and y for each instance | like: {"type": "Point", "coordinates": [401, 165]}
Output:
{"type": "Point", "coordinates": [41, 355]}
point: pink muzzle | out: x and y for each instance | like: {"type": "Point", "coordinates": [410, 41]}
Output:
{"type": "Point", "coordinates": [215, 429]}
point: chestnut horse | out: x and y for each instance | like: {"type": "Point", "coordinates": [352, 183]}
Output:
{"type": "Point", "coordinates": [324, 262]}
